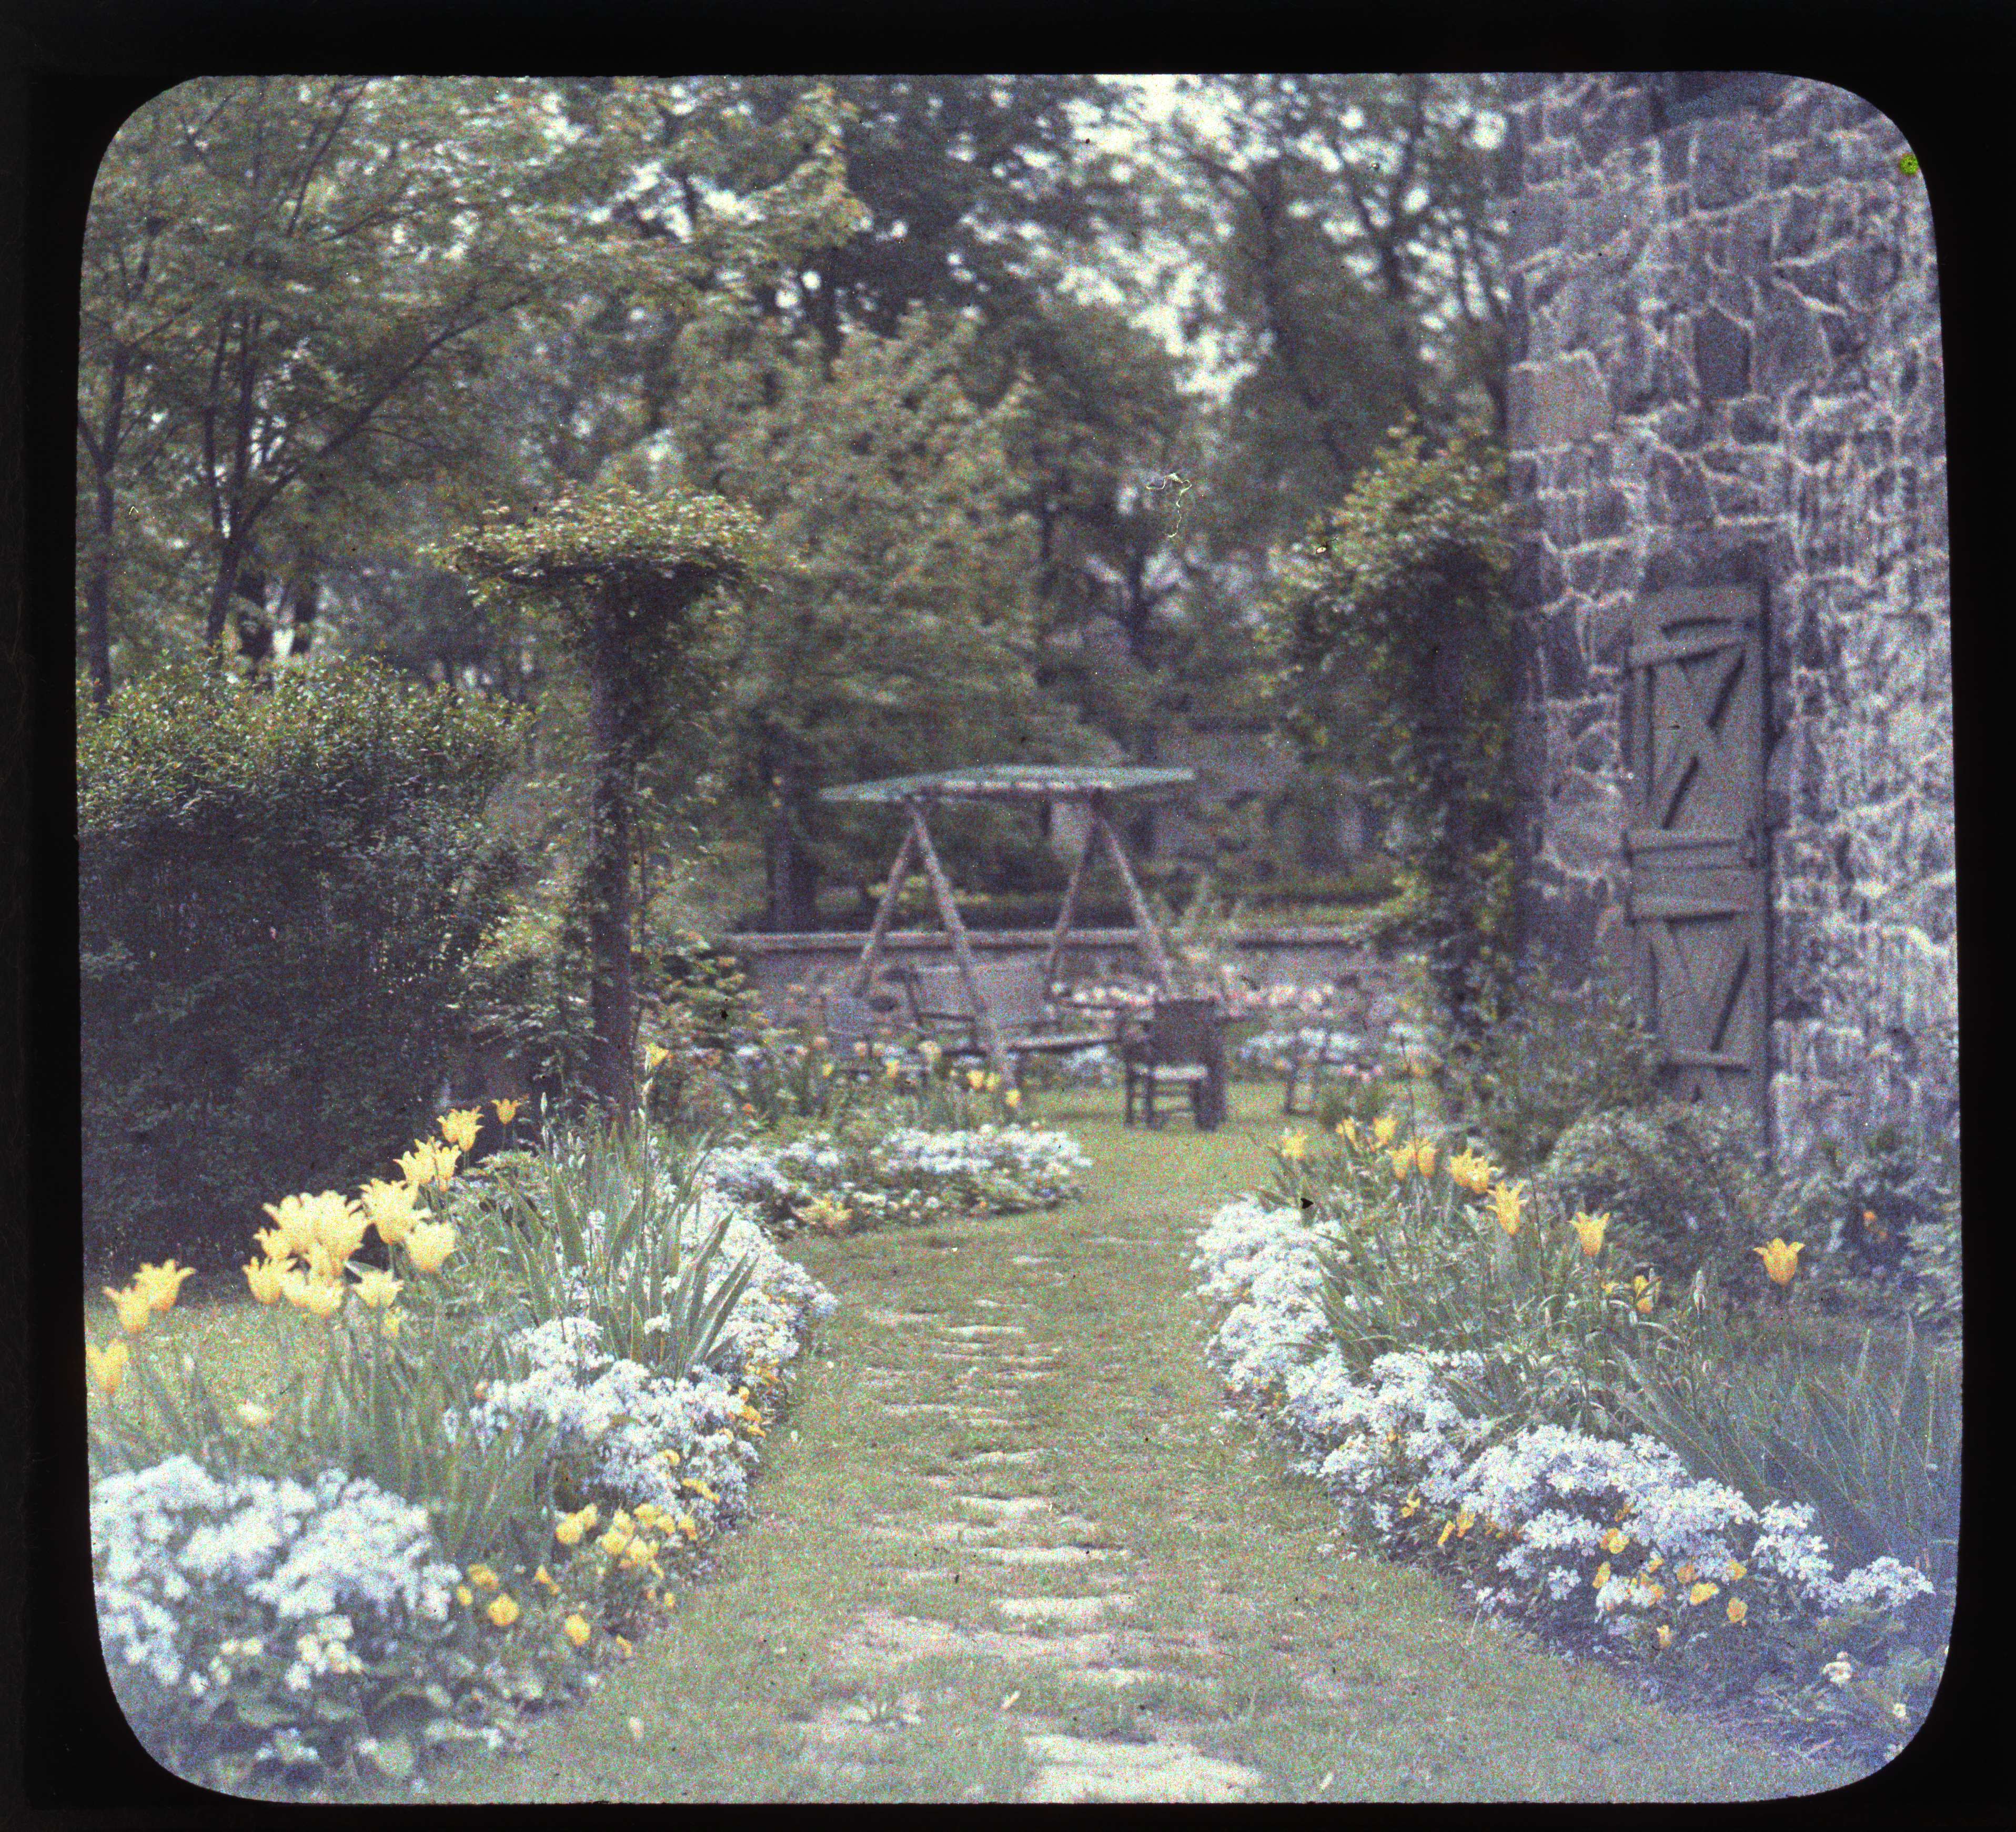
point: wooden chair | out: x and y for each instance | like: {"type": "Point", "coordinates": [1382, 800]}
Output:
{"type": "Point", "coordinates": [1183, 1042]}
{"type": "Point", "coordinates": [1309, 1060]}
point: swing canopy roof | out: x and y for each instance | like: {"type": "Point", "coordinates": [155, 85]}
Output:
{"type": "Point", "coordinates": [1013, 782]}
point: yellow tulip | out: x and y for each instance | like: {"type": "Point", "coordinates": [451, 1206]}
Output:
{"type": "Point", "coordinates": [544, 1577]}
{"type": "Point", "coordinates": [107, 1365]}
{"type": "Point", "coordinates": [975, 1080]}
{"type": "Point", "coordinates": [389, 1324]}
{"type": "Point", "coordinates": [576, 1629]}
{"type": "Point", "coordinates": [687, 1527]}
{"type": "Point", "coordinates": [264, 1276]}
{"type": "Point", "coordinates": [1403, 1162]}
{"type": "Point", "coordinates": [1472, 1171]}
{"type": "Point", "coordinates": [569, 1531]}
{"type": "Point", "coordinates": [1684, 1574]}
{"type": "Point", "coordinates": [325, 1300]}
{"type": "Point", "coordinates": [418, 1166]}
{"type": "Point", "coordinates": [1665, 1635]}
{"type": "Point", "coordinates": [377, 1287]}
{"type": "Point", "coordinates": [1295, 1147]}
{"type": "Point", "coordinates": [1448, 1529]}
{"type": "Point", "coordinates": [429, 1243]}
{"type": "Point", "coordinates": [1013, 1097]}
{"type": "Point", "coordinates": [1703, 1591]}
{"type": "Point", "coordinates": [655, 1056]}
{"type": "Point", "coordinates": [1382, 1129]}
{"type": "Point", "coordinates": [1734, 1570]}
{"type": "Point", "coordinates": [1654, 1562]}
{"type": "Point", "coordinates": [1349, 1129]}
{"type": "Point", "coordinates": [1424, 1156]}
{"type": "Point", "coordinates": [892, 1069]}
{"type": "Point", "coordinates": [507, 1111]}
{"type": "Point", "coordinates": [502, 1611]}
{"type": "Point", "coordinates": [390, 1208]}
{"type": "Point", "coordinates": [1649, 1594]}
{"type": "Point", "coordinates": [1780, 1261]}
{"type": "Point", "coordinates": [1615, 1540]}
{"type": "Point", "coordinates": [1506, 1201]}
{"type": "Point", "coordinates": [294, 1223]}
{"type": "Point", "coordinates": [134, 1309]}
{"type": "Point", "coordinates": [1738, 1609]}
{"type": "Point", "coordinates": [1602, 1575]}
{"type": "Point", "coordinates": [336, 1222]}
{"type": "Point", "coordinates": [163, 1285]}
{"type": "Point", "coordinates": [257, 1416]}
{"type": "Point", "coordinates": [460, 1127]}
{"type": "Point", "coordinates": [483, 1578]}
{"type": "Point", "coordinates": [273, 1242]}
{"type": "Point", "coordinates": [1589, 1229]}
{"type": "Point", "coordinates": [464, 1595]}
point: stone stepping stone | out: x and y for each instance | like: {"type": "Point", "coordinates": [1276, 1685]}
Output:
{"type": "Point", "coordinates": [880, 1640]}
{"type": "Point", "coordinates": [1077, 1768]}
{"type": "Point", "coordinates": [1033, 1259]}
{"type": "Point", "coordinates": [1077, 1612]}
{"type": "Point", "coordinates": [909, 1410]}
{"type": "Point", "coordinates": [1052, 1555]}
{"type": "Point", "coordinates": [1013, 1507]}
{"type": "Point", "coordinates": [897, 1319]}
{"type": "Point", "coordinates": [980, 1457]}
{"type": "Point", "coordinates": [969, 1331]}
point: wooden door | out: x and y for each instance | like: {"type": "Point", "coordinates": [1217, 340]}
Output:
{"type": "Point", "coordinates": [1694, 839]}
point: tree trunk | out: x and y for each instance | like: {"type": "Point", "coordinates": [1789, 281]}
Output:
{"type": "Point", "coordinates": [613, 989]}
{"type": "Point", "coordinates": [98, 601]}
{"type": "Point", "coordinates": [794, 873]}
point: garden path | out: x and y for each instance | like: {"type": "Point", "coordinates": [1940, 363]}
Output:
{"type": "Point", "coordinates": [1010, 1546]}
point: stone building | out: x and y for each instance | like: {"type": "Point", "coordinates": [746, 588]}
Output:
{"type": "Point", "coordinates": [1735, 750]}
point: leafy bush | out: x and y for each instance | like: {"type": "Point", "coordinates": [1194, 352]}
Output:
{"type": "Point", "coordinates": [1685, 1182]}
{"type": "Point", "coordinates": [271, 884]}
{"type": "Point", "coordinates": [1543, 1056]}
{"type": "Point", "coordinates": [1885, 1219]}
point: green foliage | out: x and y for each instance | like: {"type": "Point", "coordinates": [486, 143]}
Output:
{"type": "Point", "coordinates": [1684, 1183]}
{"type": "Point", "coordinates": [601, 1235]}
{"type": "Point", "coordinates": [1418, 1264]}
{"type": "Point", "coordinates": [1394, 619]}
{"type": "Point", "coordinates": [1545, 1055]}
{"type": "Point", "coordinates": [1883, 1218]}
{"type": "Point", "coordinates": [1874, 1448]}
{"type": "Point", "coordinates": [275, 888]}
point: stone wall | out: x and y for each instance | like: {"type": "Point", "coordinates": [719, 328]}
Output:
{"type": "Point", "coordinates": [1727, 370]}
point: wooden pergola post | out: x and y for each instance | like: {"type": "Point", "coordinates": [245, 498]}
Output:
{"type": "Point", "coordinates": [990, 1032]}
{"type": "Point", "coordinates": [865, 971]}
{"type": "Point", "coordinates": [1144, 924]}
{"type": "Point", "coordinates": [1071, 905]}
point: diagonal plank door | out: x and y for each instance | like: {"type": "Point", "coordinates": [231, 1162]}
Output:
{"type": "Point", "coordinates": [1699, 900]}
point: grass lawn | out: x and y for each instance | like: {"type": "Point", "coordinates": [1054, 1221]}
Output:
{"type": "Point", "coordinates": [1006, 1546]}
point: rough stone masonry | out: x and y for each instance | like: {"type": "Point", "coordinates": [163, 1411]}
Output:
{"type": "Point", "coordinates": [1727, 370]}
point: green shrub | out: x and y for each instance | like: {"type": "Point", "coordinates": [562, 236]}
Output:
{"type": "Point", "coordinates": [1684, 1184]}
{"type": "Point", "coordinates": [1883, 1220]}
{"type": "Point", "coordinates": [1546, 1056]}
{"type": "Point", "coordinates": [277, 887]}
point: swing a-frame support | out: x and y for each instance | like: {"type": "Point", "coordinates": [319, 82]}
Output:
{"type": "Point", "coordinates": [1089, 787]}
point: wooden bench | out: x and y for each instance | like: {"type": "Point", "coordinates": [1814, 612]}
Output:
{"type": "Point", "coordinates": [1017, 989]}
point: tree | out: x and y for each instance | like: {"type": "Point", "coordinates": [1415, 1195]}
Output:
{"type": "Point", "coordinates": [902, 637]}
{"type": "Point", "coordinates": [1394, 620]}
{"type": "Point", "coordinates": [1357, 274]}
{"type": "Point", "coordinates": [635, 586]}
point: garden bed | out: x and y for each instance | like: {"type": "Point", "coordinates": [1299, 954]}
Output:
{"type": "Point", "coordinates": [1600, 1537]}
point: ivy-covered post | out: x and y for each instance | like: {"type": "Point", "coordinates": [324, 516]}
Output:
{"type": "Point", "coordinates": [635, 583]}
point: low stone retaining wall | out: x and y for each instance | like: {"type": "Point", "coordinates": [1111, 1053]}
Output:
{"type": "Point", "coordinates": [1314, 957]}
